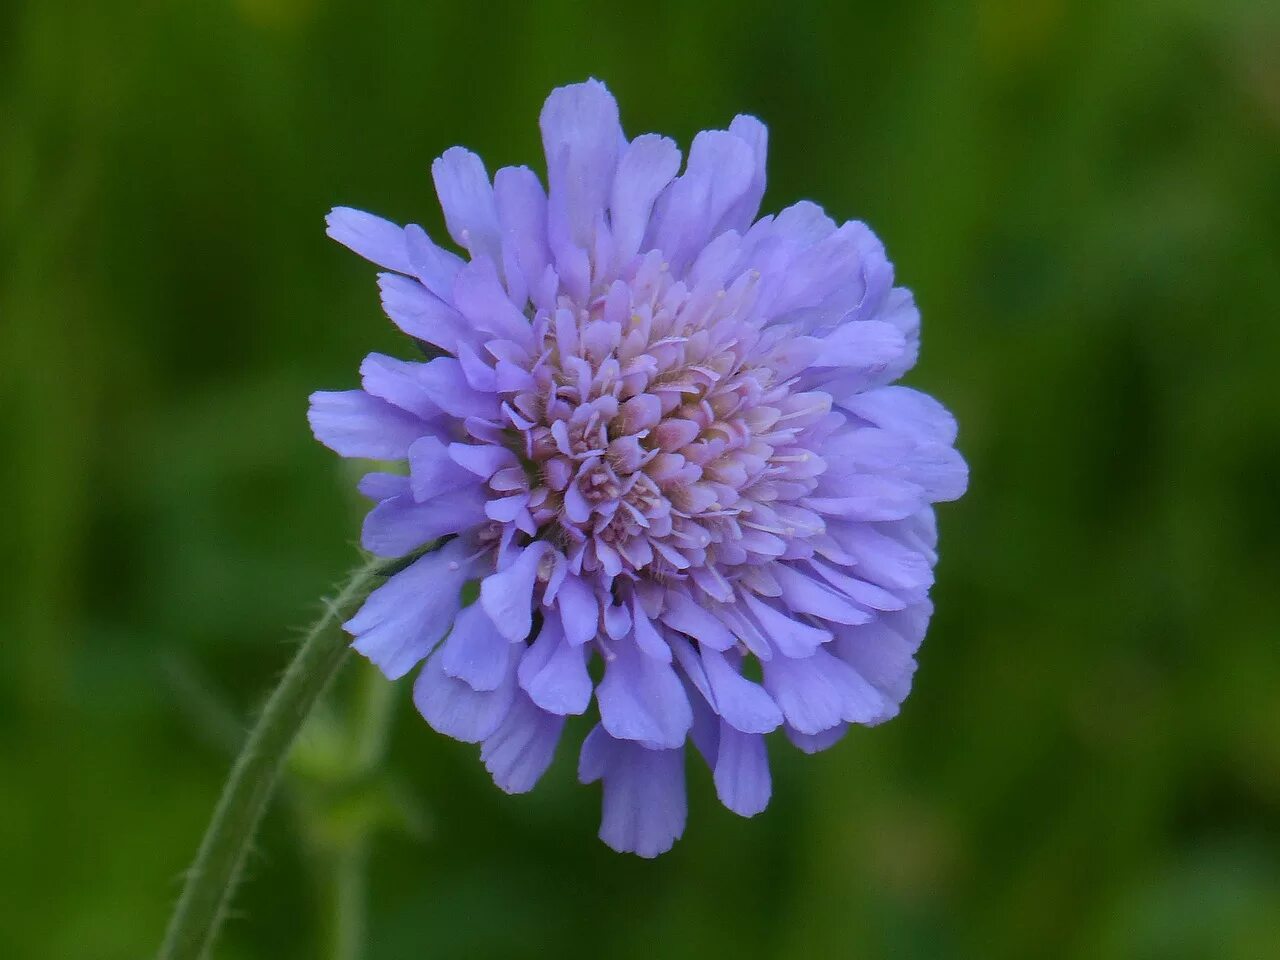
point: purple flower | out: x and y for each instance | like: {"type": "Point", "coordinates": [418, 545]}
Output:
{"type": "Point", "coordinates": [656, 430]}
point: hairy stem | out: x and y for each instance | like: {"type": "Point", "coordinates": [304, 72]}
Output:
{"type": "Point", "coordinates": [213, 877]}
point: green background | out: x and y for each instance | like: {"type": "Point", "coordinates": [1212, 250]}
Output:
{"type": "Point", "coordinates": [1085, 198]}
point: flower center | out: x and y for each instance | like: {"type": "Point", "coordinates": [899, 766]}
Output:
{"type": "Point", "coordinates": [658, 435]}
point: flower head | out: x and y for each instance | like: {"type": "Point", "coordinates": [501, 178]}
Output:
{"type": "Point", "coordinates": [656, 430]}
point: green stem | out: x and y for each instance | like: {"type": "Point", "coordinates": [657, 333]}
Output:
{"type": "Point", "coordinates": [213, 877]}
{"type": "Point", "coordinates": [347, 864]}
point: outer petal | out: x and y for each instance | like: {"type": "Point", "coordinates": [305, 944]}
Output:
{"type": "Point", "coordinates": [649, 163]}
{"type": "Point", "coordinates": [508, 594]}
{"type": "Point", "coordinates": [754, 133]}
{"type": "Point", "coordinates": [520, 750]}
{"type": "Point", "coordinates": [432, 472]}
{"type": "Point", "coordinates": [475, 652]}
{"type": "Point", "coordinates": [400, 525]}
{"type": "Point", "coordinates": [354, 424]}
{"type": "Point", "coordinates": [742, 776]}
{"type": "Point", "coordinates": [554, 672]}
{"type": "Point", "coordinates": [453, 708]}
{"type": "Point", "coordinates": [580, 134]}
{"type": "Point", "coordinates": [741, 703]}
{"type": "Point", "coordinates": [403, 619]}
{"type": "Point", "coordinates": [579, 609]}
{"type": "Point", "coordinates": [466, 197]}
{"type": "Point", "coordinates": [375, 239]}
{"type": "Point", "coordinates": [420, 314]}
{"type": "Point", "coordinates": [522, 214]}
{"type": "Point", "coordinates": [817, 693]}
{"type": "Point", "coordinates": [644, 794]}
{"type": "Point", "coordinates": [641, 699]}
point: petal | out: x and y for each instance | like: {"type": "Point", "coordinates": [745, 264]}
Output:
{"type": "Point", "coordinates": [508, 594]}
{"type": "Point", "coordinates": [743, 704]}
{"type": "Point", "coordinates": [681, 613]}
{"type": "Point", "coordinates": [648, 164]}
{"type": "Point", "coordinates": [580, 135]}
{"type": "Point", "coordinates": [785, 631]}
{"type": "Point", "coordinates": [432, 264]}
{"type": "Point", "coordinates": [647, 639]}
{"type": "Point", "coordinates": [453, 708]}
{"type": "Point", "coordinates": [420, 314]}
{"type": "Point", "coordinates": [475, 651]}
{"type": "Point", "coordinates": [383, 486]}
{"type": "Point", "coordinates": [644, 794]}
{"type": "Point", "coordinates": [443, 381]}
{"type": "Point", "coordinates": [717, 176]}
{"type": "Point", "coordinates": [373, 238]}
{"type": "Point", "coordinates": [480, 298]}
{"type": "Point", "coordinates": [466, 197]}
{"type": "Point", "coordinates": [396, 381]}
{"type": "Point", "coordinates": [756, 136]}
{"type": "Point", "coordinates": [579, 610]}
{"type": "Point", "coordinates": [404, 618]}
{"type": "Point", "coordinates": [869, 498]}
{"type": "Point", "coordinates": [554, 674]}
{"type": "Point", "coordinates": [816, 742]}
{"type": "Point", "coordinates": [883, 652]}
{"type": "Point", "coordinates": [520, 750]}
{"type": "Point", "coordinates": [522, 214]}
{"type": "Point", "coordinates": [905, 410]}
{"type": "Point", "coordinates": [804, 595]}
{"type": "Point", "coordinates": [400, 525]}
{"type": "Point", "coordinates": [354, 424]}
{"type": "Point", "coordinates": [482, 460]}
{"type": "Point", "coordinates": [641, 699]}
{"type": "Point", "coordinates": [741, 775]}
{"type": "Point", "coordinates": [432, 472]}
{"type": "Point", "coordinates": [819, 692]}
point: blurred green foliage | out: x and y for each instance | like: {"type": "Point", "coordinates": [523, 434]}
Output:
{"type": "Point", "coordinates": [1085, 197]}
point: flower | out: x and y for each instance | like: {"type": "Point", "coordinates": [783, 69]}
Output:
{"type": "Point", "coordinates": [656, 430]}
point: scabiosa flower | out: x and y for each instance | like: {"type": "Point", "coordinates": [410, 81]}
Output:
{"type": "Point", "coordinates": [657, 431]}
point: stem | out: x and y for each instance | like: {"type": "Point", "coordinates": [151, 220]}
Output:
{"type": "Point", "coordinates": [347, 864]}
{"type": "Point", "coordinates": [214, 875]}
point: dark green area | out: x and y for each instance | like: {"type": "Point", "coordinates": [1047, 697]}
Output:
{"type": "Point", "coordinates": [1085, 197]}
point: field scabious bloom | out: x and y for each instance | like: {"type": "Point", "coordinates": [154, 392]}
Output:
{"type": "Point", "coordinates": [654, 430]}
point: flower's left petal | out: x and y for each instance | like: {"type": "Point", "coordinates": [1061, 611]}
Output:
{"type": "Point", "coordinates": [453, 708]}
{"type": "Point", "coordinates": [445, 384]}
{"type": "Point", "coordinates": [396, 381]}
{"type": "Point", "coordinates": [404, 618]}
{"type": "Point", "coordinates": [377, 240]}
{"type": "Point", "coordinates": [354, 424]}
{"type": "Point", "coordinates": [432, 472]}
{"type": "Point", "coordinates": [741, 775]}
{"type": "Point", "coordinates": [642, 699]}
{"type": "Point", "coordinates": [379, 485]}
{"type": "Point", "coordinates": [518, 753]}
{"type": "Point", "coordinates": [400, 525]}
